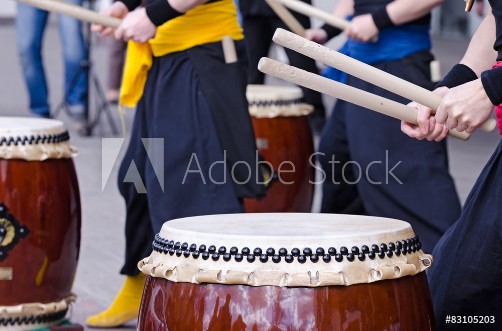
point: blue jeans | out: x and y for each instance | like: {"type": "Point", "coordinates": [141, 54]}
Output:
{"type": "Point", "coordinates": [30, 27]}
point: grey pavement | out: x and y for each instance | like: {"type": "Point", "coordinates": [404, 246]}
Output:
{"type": "Point", "coordinates": [102, 247]}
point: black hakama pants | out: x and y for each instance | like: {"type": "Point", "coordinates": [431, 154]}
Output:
{"type": "Point", "coordinates": [466, 274]}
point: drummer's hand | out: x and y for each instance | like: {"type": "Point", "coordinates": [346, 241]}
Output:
{"type": "Point", "coordinates": [465, 107]}
{"type": "Point", "coordinates": [427, 127]}
{"type": "Point", "coordinates": [362, 28]}
{"type": "Point", "coordinates": [136, 26]}
{"type": "Point", "coordinates": [118, 10]}
{"type": "Point", "coordinates": [319, 36]}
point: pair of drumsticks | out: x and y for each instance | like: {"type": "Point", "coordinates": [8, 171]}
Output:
{"type": "Point", "coordinates": [300, 77]}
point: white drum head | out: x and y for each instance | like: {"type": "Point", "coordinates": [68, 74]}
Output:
{"type": "Point", "coordinates": [26, 126]}
{"type": "Point", "coordinates": [285, 250]}
{"type": "Point", "coordinates": [268, 101]}
{"type": "Point", "coordinates": [33, 139]}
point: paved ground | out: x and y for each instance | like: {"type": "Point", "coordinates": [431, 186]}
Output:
{"type": "Point", "coordinates": [103, 211]}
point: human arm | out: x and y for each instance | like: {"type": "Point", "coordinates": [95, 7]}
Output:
{"type": "Point", "coordinates": [141, 25]}
{"type": "Point", "coordinates": [365, 27]}
{"type": "Point", "coordinates": [404, 11]}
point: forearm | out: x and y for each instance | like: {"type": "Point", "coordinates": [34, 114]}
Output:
{"type": "Point", "coordinates": [480, 55]}
{"type": "Point", "coordinates": [404, 11]}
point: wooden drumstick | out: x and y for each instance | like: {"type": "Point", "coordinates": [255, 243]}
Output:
{"type": "Point", "coordinates": [468, 5]}
{"type": "Point", "coordinates": [83, 14]}
{"type": "Point", "coordinates": [344, 92]}
{"type": "Point", "coordinates": [364, 71]}
{"type": "Point", "coordinates": [435, 68]}
{"type": "Point", "coordinates": [229, 52]}
{"type": "Point", "coordinates": [288, 18]}
{"type": "Point", "coordinates": [308, 10]}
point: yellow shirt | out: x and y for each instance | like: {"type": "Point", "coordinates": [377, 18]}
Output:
{"type": "Point", "coordinates": [203, 24]}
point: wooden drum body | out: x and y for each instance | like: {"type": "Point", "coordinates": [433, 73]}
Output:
{"type": "Point", "coordinates": [40, 222]}
{"type": "Point", "coordinates": [283, 135]}
{"type": "Point", "coordinates": [286, 272]}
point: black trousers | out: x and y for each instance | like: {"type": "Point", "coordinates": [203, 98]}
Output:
{"type": "Point", "coordinates": [259, 31]}
{"type": "Point", "coordinates": [372, 168]}
{"type": "Point", "coordinates": [192, 117]}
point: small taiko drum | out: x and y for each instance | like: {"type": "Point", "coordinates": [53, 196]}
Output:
{"type": "Point", "coordinates": [286, 272]}
{"type": "Point", "coordinates": [284, 139]}
{"type": "Point", "coordinates": [39, 223]}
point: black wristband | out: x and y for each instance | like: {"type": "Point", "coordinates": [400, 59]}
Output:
{"type": "Point", "coordinates": [382, 19]}
{"type": "Point", "coordinates": [130, 4]}
{"type": "Point", "coordinates": [330, 30]}
{"type": "Point", "coordinates": [160, 11]}
{"type": "Point", "coordinates": [492, 83]}
{"type": "Point", "coordinates": [458, 75]}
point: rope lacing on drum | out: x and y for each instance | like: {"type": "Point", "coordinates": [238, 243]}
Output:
{"type": "Point", "coordinates": [268, 103]}
{"type": "Point", "coordinates": [38, 139]}
{"type": "Point", "coordinates": [382, 250]}
{"type": "Point", "coordinates": [39, 319]}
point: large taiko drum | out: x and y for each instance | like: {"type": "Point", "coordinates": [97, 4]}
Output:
{"type": "Point", "coordinates": [284, 139]}
{"type": "Point", "coordinates": [39, 223]}
{"type": "Point", "coordinates": [286, 272]}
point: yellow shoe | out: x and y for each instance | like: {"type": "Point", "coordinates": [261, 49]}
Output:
{"type": "Point", "coordinates": [125, 306]}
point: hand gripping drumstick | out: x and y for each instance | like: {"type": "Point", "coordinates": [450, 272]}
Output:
{"type": "Point", "coordinates": [309, 10]}
{"type": "Point", "coordinates": [364, 71]}
{"type": "Point", "coordinates": [83, 14]}
{"type": "Point", "coordinates": [288, 18]}
{"type": "Point", "coordinates": [344, 92]}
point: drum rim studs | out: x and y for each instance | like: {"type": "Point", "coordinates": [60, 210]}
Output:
{"type": "Point", "coordinates": [382, 250]}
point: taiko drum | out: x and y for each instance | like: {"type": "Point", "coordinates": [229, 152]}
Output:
{"type": "Point", "coordinates": [40, 222]}
{"type": "Point", "coordinates": [284, 139]}
{"type": "Point", "coordinates": [286, 272]}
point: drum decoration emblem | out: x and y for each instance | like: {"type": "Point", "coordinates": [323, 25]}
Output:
{"type": "Point", "coordinates": [11, 231]}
